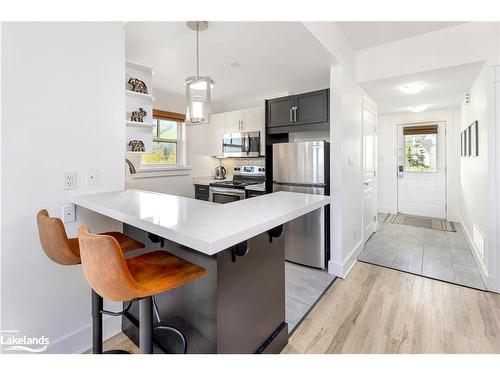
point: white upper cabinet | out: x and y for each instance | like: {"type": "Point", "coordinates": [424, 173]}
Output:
{"type": "Point", "coordinates": [217, 128]}
{"type": "Point", "coordinates": [234, 122]}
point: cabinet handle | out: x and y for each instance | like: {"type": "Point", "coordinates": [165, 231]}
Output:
{"type": "Point", "coordinates": [295, 114]}
{"type": "Point", "coordinates": [291, 114]}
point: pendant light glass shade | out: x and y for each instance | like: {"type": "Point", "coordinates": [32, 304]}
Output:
{"type": "Point", "coordinates": [198, 88]}
{"type": "Point", "coordinates": [198, 100]}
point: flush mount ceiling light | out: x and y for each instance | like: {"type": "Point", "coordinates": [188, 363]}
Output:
{"type": "Point", "coordinates": [198, 88]}
{"type": "Point", "coordinates": [418, 108]}
{"type": "Point", "coordinates": [412, 87]}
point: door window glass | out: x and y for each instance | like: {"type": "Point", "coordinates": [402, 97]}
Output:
{"type": "Point", "coordinates": [420, 152]}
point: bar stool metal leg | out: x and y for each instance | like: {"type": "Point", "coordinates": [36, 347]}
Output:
{"type": "Point", "coordinates": [146, 325]}
{"type": "Point", "coordinates": [97, 304]}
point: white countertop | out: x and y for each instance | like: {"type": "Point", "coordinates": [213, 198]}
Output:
{"type": "Point", "coordinates": [204, 226]}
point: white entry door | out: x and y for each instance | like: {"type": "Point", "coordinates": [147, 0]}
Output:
{"type": "Point", "coordinates": [421, 169]}
{"type": "Point", "coordinates": [369, 202]}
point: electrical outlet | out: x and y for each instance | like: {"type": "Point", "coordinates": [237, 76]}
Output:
{"type": "Point", "coordinates": [92, 177]}
{"type": "Point", "coordinates": [69, 180]}
{"type": "Point", "coordinates": [68, 213]}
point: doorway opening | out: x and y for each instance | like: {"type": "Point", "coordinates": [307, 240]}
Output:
{"type": "Point", "coordinates": [421, 169]}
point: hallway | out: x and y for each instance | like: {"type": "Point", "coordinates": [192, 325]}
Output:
{"type": "Point", "coordinates": [432, 253]}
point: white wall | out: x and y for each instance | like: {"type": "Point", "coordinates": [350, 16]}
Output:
{"type": "Point", "coordinates": [63, 109]}
{"type": "Point", "coordinates": [477, 174]}
{"type": "Point", "coordinates": [346, 171]}
{"type": "Point", "coordinates": [387, 157]}
{"type": "Point", "coordinates": [462, 44]}
{"type": "Point", "coordinates": [335, 42]}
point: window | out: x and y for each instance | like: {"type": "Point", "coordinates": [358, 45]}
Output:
{"type": "Point", "coordinates": [420, 148]}
{"type": "Point", "coordinates": [167, 139]}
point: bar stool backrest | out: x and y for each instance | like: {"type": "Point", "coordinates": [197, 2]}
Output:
{"type": "Point", "coordinates": [105, 268]}
{"type": "Point", "coordinates": [55, 243]}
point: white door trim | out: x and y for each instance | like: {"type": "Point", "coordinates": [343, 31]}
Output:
{"type": "Point", "coordinates": [370, 106]}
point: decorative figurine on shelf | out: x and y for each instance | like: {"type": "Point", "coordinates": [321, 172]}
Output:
{"type": "Point", "coordinates": [138, 116]}
{"type": "Point", "coordinates": [136, 146]}
{"type": "Point", "coordinates": [138, 85]}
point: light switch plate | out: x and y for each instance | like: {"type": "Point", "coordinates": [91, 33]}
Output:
{"type": "Point", "coordinates": [68, 213]}
{"type": "Point", "coordinates": [92, 177]}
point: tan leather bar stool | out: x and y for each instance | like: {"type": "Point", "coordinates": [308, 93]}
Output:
{"type": "Point", "coordinates": [66, 251]}
{"type": "Point", "coordinates": [136, 278]}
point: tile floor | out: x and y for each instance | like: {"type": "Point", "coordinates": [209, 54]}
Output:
{"type": "Point", "coordinates": [303, 285]}
{"type": "Point", "coordinates": [427, 252]}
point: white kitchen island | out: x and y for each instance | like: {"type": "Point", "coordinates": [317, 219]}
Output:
{"type": "Point", "coordinates": [239, 307]}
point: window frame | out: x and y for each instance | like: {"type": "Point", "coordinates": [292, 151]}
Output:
{"type": "Point", "coordinates": [146, 170]}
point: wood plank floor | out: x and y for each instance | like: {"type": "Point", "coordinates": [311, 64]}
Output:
{"type": "Point", "coordinates": [379, 310]}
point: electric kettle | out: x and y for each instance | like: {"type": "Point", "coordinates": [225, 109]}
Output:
{"type": "Point", "coordinates": [220, 173]}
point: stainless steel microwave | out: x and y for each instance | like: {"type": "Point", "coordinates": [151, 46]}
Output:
{"type": "Point", "coordinates": [241, 145]}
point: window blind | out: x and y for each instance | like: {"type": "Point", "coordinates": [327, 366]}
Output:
{"type": "Point", "coordinates": [424, 129]}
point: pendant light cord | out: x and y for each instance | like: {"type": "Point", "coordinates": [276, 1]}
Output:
{"type": "Point", "coordinates": [197, 50]}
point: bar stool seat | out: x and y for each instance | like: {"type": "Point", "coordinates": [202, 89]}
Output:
{"type": "Point", "coordinates": [66, 251]}
{"type": "Point", "coordinates": [136, 278]}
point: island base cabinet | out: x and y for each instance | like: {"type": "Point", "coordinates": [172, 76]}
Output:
{"type": "Point", "coordinates": [239, 307]}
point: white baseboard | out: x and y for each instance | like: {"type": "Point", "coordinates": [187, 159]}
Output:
{"type": "Point", "coordinates": [386, 210]}
{"type": "Point", "coordinates": [342, 269]}
{"type": "Point", "coordinates": [489, 281]}
{"type": "Point", "coordinates": [80, 340]}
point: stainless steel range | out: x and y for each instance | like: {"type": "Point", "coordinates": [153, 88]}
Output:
{"type": "Point", "coordinates": [234, 190]}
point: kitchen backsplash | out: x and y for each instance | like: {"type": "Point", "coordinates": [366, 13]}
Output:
{"type": "Point", "coordinates": [229, 163]}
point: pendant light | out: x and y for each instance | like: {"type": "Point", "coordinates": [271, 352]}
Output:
{"type": "Point", "coordinates": [198, 88]}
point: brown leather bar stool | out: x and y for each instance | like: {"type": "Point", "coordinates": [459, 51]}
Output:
{"type": "Point", "coordinates": [136, 278]}
{"type": "Point", "coordinates": [66, 251]}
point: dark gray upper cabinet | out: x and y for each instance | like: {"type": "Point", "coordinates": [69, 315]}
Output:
{"type": "Point", "coordinates": [298, 110]}
{"type": "Point", "coordinates": [280, 112]}
{"type": "Point", "coordinates": [311, 107]}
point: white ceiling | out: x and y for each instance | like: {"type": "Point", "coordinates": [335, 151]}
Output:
{"type": "Point", "coordinates": [275, 58]}
{"type": "Point", "coordinates": [369, 34]}
{"type": "Point", "coordinates": [445, 89]}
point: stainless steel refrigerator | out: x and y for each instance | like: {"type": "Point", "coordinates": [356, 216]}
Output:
{"type": "Point", "coordinates": [304, 167]}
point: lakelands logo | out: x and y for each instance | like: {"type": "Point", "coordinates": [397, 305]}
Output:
{"type": "Point", "coordinates": [13, 341]}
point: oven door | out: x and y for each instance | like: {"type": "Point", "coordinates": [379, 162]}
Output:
{"type": "Point", "coordinates": [225, 195]}
{"type": "Point", "coordinates": [241, 145]}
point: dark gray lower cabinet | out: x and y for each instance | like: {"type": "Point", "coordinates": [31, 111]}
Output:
{"type": "Point", "coordinates": [201, 192]}
{"type": "Point", "coordinates": [239, 307]}
{"type": "Point", "coordinates": [253, 193]}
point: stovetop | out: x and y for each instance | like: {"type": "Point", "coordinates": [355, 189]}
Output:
{"type": "Point", "coordinates": [235, 184]}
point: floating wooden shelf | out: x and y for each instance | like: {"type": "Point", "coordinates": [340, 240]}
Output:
{"type": "Point", "coordinates": [139, 95]}
{"type": "Point", "coordinates": [139, 124]}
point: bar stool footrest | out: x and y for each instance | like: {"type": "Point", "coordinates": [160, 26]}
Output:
{"type": "Point", "coordinates": [171, 329]}
{"type": "Point", "coordinates": [116, 351]}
